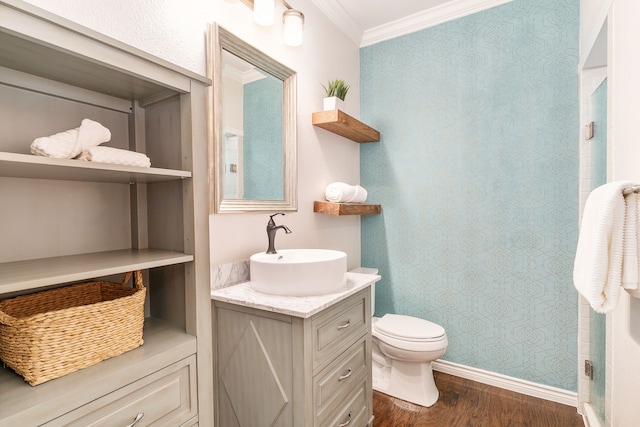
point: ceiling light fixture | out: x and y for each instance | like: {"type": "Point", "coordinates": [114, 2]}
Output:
{"type": "Point", "coordinates": [264, 12]}
{"type": "Point", "coordinates": [293, 19]}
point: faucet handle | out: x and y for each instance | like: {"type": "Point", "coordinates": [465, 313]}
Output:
{"type": "Point", "coordinates": [271, 221]}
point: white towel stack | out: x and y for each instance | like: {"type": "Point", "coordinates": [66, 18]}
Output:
{"type": "Point", "coordinates": [115, 156]}
{"type": "Point", "coordinates": [339, 192]}
{"type": "Point", "coordinates": [598, 268]}
{"type": "Point", "coordinates": [83, 143]}
{"type": "Point", "coordinates": [70, 143]}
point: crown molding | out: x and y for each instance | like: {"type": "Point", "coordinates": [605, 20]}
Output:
{"type": "Point", "coordinates": [446, 12]}
{"type": "Point", "coordinates": [428, 18]}
{"type": "Point", "coordinates": [336, 14]}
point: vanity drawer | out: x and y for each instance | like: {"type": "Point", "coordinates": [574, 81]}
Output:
{"type": "Point", "coordinates": [338, 328]}
{"type": "Point", "coordinates": [335, 382]}
{"type": "Point", "coordinates": [166, 397]}
{"type": "Point", "coordinates": [353, 413]}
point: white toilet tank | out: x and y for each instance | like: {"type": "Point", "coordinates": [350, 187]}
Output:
{"type": "Point", "coordinates": [366, 270]}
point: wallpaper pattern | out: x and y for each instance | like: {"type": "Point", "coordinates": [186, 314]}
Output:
{"type": "Point", "coordinates": [477, 174]}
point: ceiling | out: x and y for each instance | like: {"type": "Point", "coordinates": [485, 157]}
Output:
{"type": "Point", "coordinates": [368, 22]}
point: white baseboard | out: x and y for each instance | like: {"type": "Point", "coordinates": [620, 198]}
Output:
{"type": "Point", "coordinates": [589, 416]}
{"type": "Point", "coordinates": [529, 388]}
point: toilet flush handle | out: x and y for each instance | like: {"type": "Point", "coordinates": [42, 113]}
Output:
{"type": "Point", "coordinates": [345, 325]}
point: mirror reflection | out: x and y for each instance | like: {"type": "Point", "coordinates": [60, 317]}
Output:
{"type": "Point", "coordinates": [254, 165]}
{"type": "Point", "coordinates": [252, 124]}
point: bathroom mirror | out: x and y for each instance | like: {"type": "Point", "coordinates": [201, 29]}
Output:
{"type": "Point", "coordinates": [252, 126]}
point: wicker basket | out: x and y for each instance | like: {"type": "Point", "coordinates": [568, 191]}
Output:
{"type": "Point", "coordinates": [52, 333]}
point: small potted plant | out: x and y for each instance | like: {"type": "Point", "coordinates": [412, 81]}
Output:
{"type": "Point", "coordinates": [335, 91]}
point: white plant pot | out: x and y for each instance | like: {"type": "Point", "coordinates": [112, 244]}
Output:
{"type": "Point", "coordinates": [332, 103]}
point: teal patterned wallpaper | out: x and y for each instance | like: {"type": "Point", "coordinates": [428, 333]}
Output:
{"type": "Point", "coordinates": [477, 174]}
{"type": "Point", "coordinates": [262, 148]}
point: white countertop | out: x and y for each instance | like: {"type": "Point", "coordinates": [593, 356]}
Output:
{"type": "Point", "coordinates": [243, 294]}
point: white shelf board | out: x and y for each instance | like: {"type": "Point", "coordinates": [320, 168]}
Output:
{"type": "Point", "coordinates": [24, 275]}
{"type": "Point", "coordinates": [16, 165]}
{"type": "Point", "coordinates": [22, 404]}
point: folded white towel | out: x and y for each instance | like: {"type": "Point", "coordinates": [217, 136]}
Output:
{"type": "Point", "coordinates": [630, 262]}
{"type": "Point", "coordinates": [597, 271]}
{"type": "Point", "coordinates": [339, 192]}
{"type": "Point", "coordinates": [115, 156]}
{"type": "Point", "coordinates": [70, 143]}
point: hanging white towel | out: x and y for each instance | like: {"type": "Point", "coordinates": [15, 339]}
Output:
{"type": "Point", "coordinates": [339, 192]}
{"type": "Point", "coordinates": [597, 271]}
{"type": "Point", "coordinates": [631, 283]}
{"type": "Point", "coordinates": [115, 156]}
{"type": "Point", "coordinates": [630, 265]}
{"type": "Point", "coordinates": [70, 143]}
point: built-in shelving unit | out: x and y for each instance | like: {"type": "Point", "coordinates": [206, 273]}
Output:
{"type": "Point", "coordinates": [330, 208]}
{"type": "Point", "coordinates": [29, 166]}
{"type": "Point", "coordinates": [67, 221]}
{"type": "Point", "coordinates": [341, 123]}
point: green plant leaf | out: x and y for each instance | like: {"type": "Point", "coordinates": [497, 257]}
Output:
{"type": "Point", "coordinates": [337, 87]}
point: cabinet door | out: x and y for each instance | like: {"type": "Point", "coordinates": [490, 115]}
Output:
{"type": "Point", "coordinates": [255, 369]}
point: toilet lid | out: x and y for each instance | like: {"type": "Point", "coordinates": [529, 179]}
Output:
{"type": "Point", "coordinates": [409, 328]}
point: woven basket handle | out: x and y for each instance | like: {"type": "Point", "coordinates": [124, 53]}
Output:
{"type": "Point", "coordinates": [139, 284]}
{"type": "Point", "coordinates": [5, 319]}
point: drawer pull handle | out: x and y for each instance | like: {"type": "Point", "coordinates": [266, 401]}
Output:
{"type": "Point", "coordinates": [345, 325]}
{"type": "Point", "coordinates": [345, 376]}
{"type": "Point", "coordinates": [346, 423]}
{"type": "Point", "coordinates": [138, 418]}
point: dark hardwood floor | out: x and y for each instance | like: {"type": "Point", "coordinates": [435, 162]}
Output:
{"type": "Point", "coordinates": [466, 403]}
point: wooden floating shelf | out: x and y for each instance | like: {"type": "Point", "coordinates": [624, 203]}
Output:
{"type": "Point", "coordinates": [329, 208]}
{"type": "Point", "coordinates": [340, 123]}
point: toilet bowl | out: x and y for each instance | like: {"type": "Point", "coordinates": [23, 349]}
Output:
{"type": "Point", "coordinates": [403, 349]}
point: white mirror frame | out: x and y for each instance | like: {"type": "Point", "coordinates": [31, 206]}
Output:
{"type": "Point", "coordinates": [220, 39]}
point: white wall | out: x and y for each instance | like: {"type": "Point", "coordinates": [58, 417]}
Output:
{"type": "Point", "coordinates": [624, 107]}
{"type": "Point", "coordinates": [593, 14]}
{"type": "Point", "coordinates": [175, 31]}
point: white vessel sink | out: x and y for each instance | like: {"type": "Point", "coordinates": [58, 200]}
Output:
{"type": "Point", "coordinates": [299, 272]}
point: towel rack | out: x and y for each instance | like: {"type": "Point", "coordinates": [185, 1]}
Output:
{"type": "Point", "coordinates": [634, 189]}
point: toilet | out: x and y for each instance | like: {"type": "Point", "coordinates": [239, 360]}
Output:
{"type": "Point", "coordinates": [403, 349]}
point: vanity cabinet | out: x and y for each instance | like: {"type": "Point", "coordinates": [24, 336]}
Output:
{"type": "Point", "coordinates": [64, 221]}
{"type": "Point", "coordinates": [284, 370]}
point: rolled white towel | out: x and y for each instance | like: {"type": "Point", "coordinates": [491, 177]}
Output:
{"type": "Point", "coordinates": [339, 192]}
{"type": "Point", "coordinates": [115, 156]}
{"type": "Point", "coordinates": [70, 143]}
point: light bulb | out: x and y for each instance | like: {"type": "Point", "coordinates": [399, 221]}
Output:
{"type": "Point", "coordinates": [264, 12]}
{"type": "Point", "coordinates": [293, 21]}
